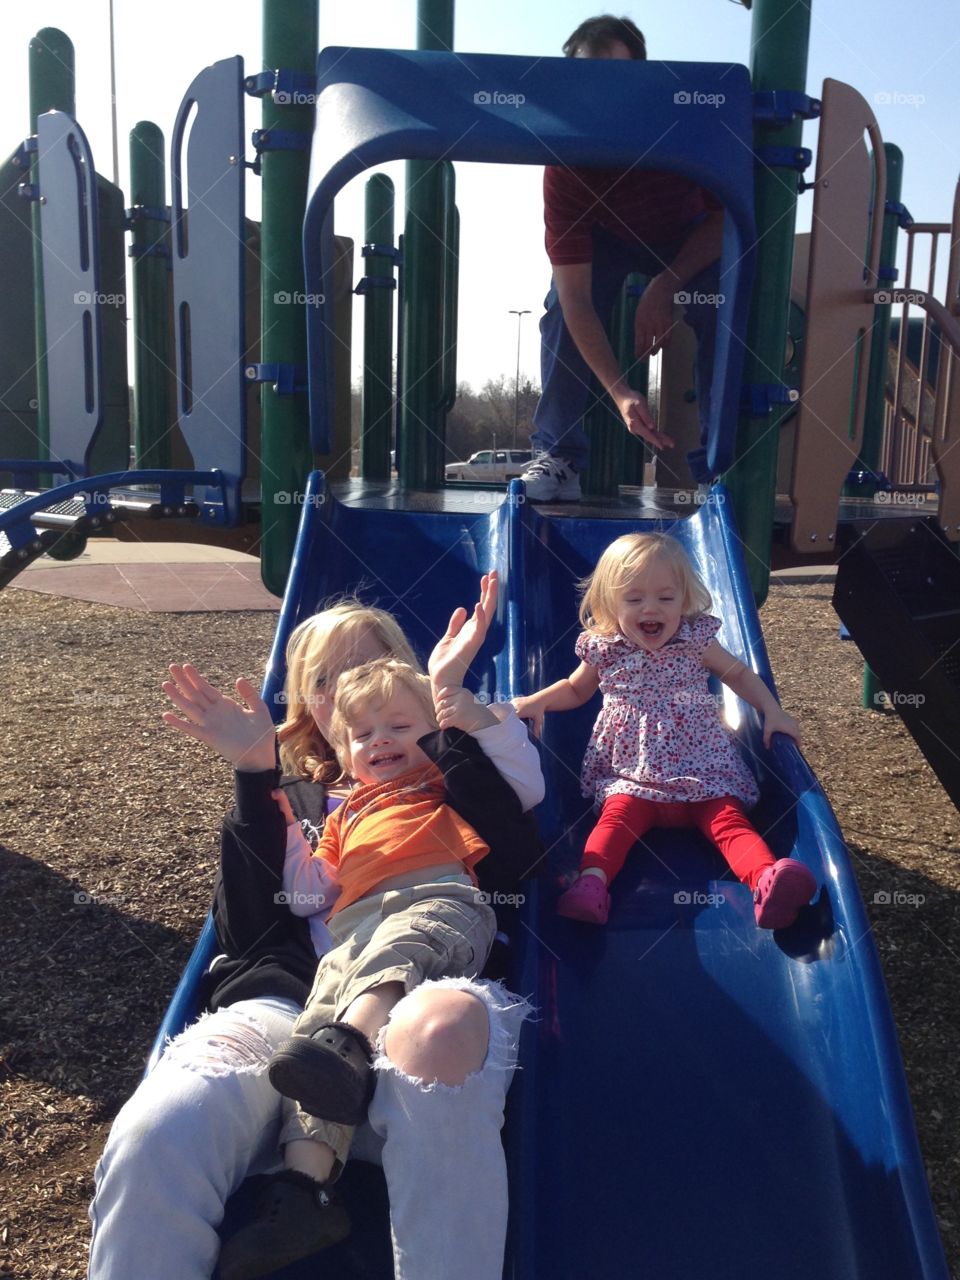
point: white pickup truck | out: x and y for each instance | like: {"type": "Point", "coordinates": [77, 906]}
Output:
{"type": "Point", "coordinates": [493, 466]}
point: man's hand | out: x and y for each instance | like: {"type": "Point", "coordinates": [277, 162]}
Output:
{"type": "Point", "coordinates": [243, 735]}
{"type": "Point", "coordinates": [457, 708]}
{"type": "Point", "coordinates": [585, 327]}
{"type": "Point", "coordinates": [635, 412]}
{"type": "Point", "coordinates": [654, 319]}
{"type": "Point", "coordinates": [464, 637]}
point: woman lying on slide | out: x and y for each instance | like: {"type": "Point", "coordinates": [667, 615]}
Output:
{"type": "Point", "coordinates": [207, 1116]}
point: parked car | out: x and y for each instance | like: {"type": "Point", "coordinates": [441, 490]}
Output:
{"type": "Point", "coordinates": [494, 466]}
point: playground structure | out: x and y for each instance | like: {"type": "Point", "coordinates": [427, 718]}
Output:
{"type": "Point", "coordinates": [196, 371]}
{"type": "Point", "coordinates": [227, 422]}
{"type": "Point", "coordinates": [758, 1097]}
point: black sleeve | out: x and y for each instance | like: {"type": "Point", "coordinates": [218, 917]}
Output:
{"type": "Point", "coordinates": [482, 797]}
{"type": "Point", "coordinates": [253, 843]}
{"type": "Point", "coordinates": [266, 949]}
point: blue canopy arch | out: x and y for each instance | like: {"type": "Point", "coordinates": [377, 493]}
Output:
{"type": "Point", "coordinates": [689, 118]}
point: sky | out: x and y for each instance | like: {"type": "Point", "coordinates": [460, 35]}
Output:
{"type": "Point", "coordinates": [901, 59]}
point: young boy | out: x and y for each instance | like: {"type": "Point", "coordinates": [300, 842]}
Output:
{"type": "Point", "coordinates": [407, 908]}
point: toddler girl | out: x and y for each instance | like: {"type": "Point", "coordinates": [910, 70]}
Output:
{"type": "Point", "coordinates": [659, 755]}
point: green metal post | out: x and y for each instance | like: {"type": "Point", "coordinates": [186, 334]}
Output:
{"type": "Point", "coordinates": [451, 297]}
{"type": "Point", "coordinates": [151, 300]}
{"type": "Point", "coordinates": [419, 404]}
{"type": "Point", "coordinates": [872, 445]}
{"type": "Point", "coordinates": [52, 88]}
{"type": "Point", "coordinates": [377, 406]}
{"type": "Point", "coordinates": [290, 35]}
{"type": "Point", "coordinates": [872, 688]}
{"type": "Point", "coordinates": [616, 457]}
{"type": "Point", "coordinates": [780, 40]}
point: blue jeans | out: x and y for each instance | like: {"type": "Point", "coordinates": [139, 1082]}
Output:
{"type": "Point", "coordinates": [207, 1116]}
{"type": "Point", "coordinates": [568, 387]}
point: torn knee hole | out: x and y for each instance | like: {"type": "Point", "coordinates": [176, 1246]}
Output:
{"type": "Point", "coordinates": [239, 1048]}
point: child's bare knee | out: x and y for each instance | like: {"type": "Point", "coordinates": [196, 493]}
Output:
{"type": "Point", "coordinates": [438, 1035]}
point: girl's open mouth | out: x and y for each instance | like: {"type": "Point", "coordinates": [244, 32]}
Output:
{"type": "Point", "coordinates": [651, 628]}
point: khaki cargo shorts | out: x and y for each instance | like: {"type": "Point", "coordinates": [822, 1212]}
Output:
{"type": "Point", "coordinates": [438, 930]}
{"type": "Point", "coordinates": [442, 929]}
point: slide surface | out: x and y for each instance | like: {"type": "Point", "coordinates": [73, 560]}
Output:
{"type": "Point", "coordinates": [703, 1098]}
{"type": "Point", "coordinates": [698, 1098]}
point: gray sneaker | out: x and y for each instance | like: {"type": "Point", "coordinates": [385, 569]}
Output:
{"type": "Point", "coordinates": [549, 479]}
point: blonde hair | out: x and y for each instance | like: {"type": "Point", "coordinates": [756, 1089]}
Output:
{"type": "Point", "coordinates": [374, 684]}
{"type": "Point", "coordinates": [622, 561]}
{"type": "Point", "coordinates": [304, 751]}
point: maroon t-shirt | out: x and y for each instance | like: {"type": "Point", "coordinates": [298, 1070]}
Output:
{"type": "Point", "coordinates": [638, 206]}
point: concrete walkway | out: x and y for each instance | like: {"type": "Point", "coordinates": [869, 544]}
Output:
{"type": "Point", "coordinates": [158, 577]}
{"type": "Point", "coordinates": [182, 577]}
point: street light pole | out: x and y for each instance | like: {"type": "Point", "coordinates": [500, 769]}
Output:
{"type": "Point", "coordinates": [516, 385]}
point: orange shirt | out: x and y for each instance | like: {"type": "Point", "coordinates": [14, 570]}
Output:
{"type": "Point", "coordinates": [391, 828]}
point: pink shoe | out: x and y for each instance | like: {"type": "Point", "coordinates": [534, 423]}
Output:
{"type": "Point", "coordinates": [780, 893]}
{"type": "Point", "coordinates": [587, 899]}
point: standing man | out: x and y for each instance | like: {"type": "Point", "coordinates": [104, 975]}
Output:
{"type": "Point", "coordinates": [602, 224]}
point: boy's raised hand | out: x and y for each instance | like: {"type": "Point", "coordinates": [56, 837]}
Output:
{"type": "Point", "coordinates": [243, 735]}
{"type": "Point", "coordinates": [464, 637]}
{"type": "Point", "coordinates": [457, 708]}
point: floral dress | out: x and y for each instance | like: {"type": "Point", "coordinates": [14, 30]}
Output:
{"type": "Point", "coordinates": [659, 734]}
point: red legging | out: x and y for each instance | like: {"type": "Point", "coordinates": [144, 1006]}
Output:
{"type": "Point", "coordinates": [624, 819]}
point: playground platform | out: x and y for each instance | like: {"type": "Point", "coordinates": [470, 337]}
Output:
{"type": "Point", "coordinates": [183, 577]}
{"type": "Point", "coordinates": [155, 577]}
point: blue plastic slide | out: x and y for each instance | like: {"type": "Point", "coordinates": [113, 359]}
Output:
{"type": "Point", "coordinates": [698, 1098]}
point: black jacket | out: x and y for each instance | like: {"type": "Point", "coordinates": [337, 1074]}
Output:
{"type": "Point", "coordinates": [265, 950]}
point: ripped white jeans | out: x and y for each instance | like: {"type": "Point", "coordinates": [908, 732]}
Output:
{"type": "Point", "coordinates": [207, 1116]}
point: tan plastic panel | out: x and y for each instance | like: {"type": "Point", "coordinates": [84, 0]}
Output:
{"type": "Point", "coordinates": [945, 444]}
{"type": "Point", "coordinates": [839, 315]}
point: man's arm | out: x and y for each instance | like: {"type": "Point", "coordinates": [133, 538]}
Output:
{"type": "Point", "coordinates": [652, 326]}
{"type": "Point", "coordinates": [654, 321]}
{"type": "Point", "coordinates": [574, 290]}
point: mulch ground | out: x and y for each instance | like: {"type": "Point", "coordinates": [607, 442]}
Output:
{"type": "Point", "coordinates": [108, 842]}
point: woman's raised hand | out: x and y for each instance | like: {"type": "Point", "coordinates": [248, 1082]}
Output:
{"type": "Point", "coordinates": [464, 637]}
{"type": "Point", "coordinates": [244, 735]}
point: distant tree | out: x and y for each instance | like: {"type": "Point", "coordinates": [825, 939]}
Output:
{"type": "Point", "coordinates": [485, 420]}
{"type": "Point", "coordinates": [478, 420]}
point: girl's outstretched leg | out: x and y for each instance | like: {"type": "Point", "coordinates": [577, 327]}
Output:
{"type": "Point", "coordinates": [623, 820]}
{"type": "Point", "coordinates": [780, 887]}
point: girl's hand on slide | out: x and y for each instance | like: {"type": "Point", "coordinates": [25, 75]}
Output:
{"type": "Point", "coordinates": [464, 637]}
{"type": "Point", "coordinates": [243, 735]}
{"type": "Point", "coordinates": [779, 722]}
{"type": "Point", "coordinates": [526, 710]}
